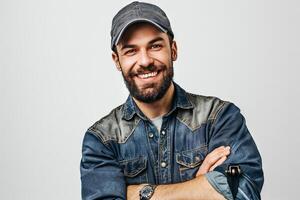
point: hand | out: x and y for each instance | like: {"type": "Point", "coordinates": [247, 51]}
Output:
{"type": "Point", "coordinates": [213, 159]}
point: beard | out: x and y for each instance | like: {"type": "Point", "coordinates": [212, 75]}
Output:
{"type": "Point", "coordinates": [151, 92]}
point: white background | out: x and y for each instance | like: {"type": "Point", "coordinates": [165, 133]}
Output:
{"type": "Point", "coordinates": [57, 78]}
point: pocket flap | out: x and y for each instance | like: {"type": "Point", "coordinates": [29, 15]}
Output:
{"type": "Point", "coordinates": [191, 158]}
{"type": "Point", "coordinates": [133, 167]}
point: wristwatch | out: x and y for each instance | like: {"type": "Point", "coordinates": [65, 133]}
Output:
{"type": "Point", "coordinates": [147, 191]}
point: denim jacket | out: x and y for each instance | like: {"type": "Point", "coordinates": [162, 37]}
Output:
{"type": "Point", "coordinates": [125, 148]}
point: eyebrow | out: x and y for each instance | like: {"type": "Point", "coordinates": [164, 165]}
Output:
{"type": "Point", "coordinates": [129, 46]}
{"type": "Point", "coordinates": [156, 40]}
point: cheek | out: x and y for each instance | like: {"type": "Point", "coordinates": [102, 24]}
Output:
{"type": "Point", "coordinates": [127, 63]}
{"type": "Point", "coordinates": [163, 57]}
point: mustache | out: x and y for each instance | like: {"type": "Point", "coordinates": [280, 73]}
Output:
{"type": "Point", "coordinates": [148, 69]}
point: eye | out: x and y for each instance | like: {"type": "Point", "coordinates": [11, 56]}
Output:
{"type": "Point", "coordinates": [156, 46]}
{"type": "Point", "coordinates": [130, 52]}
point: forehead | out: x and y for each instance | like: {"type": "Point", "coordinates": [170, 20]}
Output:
{"type": "Point", "coordinates": [140, 33]}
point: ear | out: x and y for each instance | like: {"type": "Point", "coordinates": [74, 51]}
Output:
{"type": "Point", "coordinates": [174, 51]}
{"type": "Point", "coordinates": [115, 58]}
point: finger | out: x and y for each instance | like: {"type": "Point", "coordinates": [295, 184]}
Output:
{"type": "Point", "coordinates": [226, 151]}
{"type": "Point", "coordinates": [202, 170]}
{"type": "Point", "coordinates": [215, 155]}
{"type": "Point", "coordinates": [219, 162]}
{"type": "Point", "coordinates": [219, 151]}
{"type": "Point", "coordinates": [205, 167]}
{"type": "Point", "coordinates": [212, 158]}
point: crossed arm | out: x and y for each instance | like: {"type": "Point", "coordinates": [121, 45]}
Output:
{"type": "Point", "coordinates": [98, 165]}
{"type": "Point", "coordinates": [198, 188]}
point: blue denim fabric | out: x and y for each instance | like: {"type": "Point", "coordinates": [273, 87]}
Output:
{"type": "Point", "coordinates": [125, 148]}
{"type": "Point", "coordinates": [219, 182]}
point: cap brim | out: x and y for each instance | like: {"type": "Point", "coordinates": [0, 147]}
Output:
{"type": "Point", "coordinates": [135, 21]}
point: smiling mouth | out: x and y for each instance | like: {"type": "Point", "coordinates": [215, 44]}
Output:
{"type": "Point", "coordinates": [148, 75]}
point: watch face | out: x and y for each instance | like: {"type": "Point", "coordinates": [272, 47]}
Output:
{"type": "Point", "coordinates": [147, 191]}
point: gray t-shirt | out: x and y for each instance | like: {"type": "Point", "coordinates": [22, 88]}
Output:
{"type": "Point", "coordinates": [157, 121]}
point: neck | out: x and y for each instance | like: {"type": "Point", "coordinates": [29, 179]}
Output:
{"type": "Point", "coordinates": [159, 107]}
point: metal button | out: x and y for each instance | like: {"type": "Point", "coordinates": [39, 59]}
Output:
{"type": "Point", "coordinates": [163, 132]}
{"type": "Point", "coordinates": [233, 170]}
{"type": "Point", "coordinates": [151, 135]}
{"type": "Point", "coordinates": [163, 164]}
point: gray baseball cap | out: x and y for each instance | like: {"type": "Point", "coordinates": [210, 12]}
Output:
{"type": "Point", "coordinates": [138, 12]}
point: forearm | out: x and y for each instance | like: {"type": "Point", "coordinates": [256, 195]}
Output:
{"type": "Point", "coordinates": [196, 189]}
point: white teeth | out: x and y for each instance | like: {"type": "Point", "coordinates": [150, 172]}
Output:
{"type": "Point", "coordinates": [147, 75]}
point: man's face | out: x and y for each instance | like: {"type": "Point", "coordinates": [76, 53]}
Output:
{"type": "Point", "coordinates": [145, 58]}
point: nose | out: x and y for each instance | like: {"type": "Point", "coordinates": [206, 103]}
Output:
{"type": "Point", "coordinates": [145, 60]}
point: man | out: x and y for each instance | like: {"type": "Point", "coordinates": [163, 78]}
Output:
{"type": "Point", "coordinates": [165, 143]}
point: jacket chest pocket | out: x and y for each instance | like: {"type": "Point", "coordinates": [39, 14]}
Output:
{"type": "Point", "coordinates": [135, 170]}
{"type": "Point", "coordinates": [189, 162]}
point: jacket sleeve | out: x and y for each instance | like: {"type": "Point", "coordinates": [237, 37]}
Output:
{"type": "Point", "coordinates": [229, 129]}
{"type": "Point", "coordinates": [101, 175]}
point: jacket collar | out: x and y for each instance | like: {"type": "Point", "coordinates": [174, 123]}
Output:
{"type": "Point", "coordinates": [180, 100]}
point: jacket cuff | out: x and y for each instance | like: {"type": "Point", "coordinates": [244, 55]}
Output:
{"type": "Point", "coordinates": [219, 182]}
